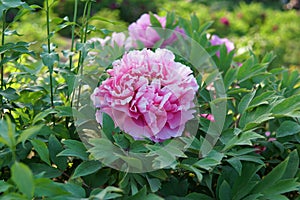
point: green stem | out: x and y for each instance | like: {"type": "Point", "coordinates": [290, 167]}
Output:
{"type": "Point", "coordinates": [2, 55]}
{"type": "Point", "coordinates": [86, 15]}
{"type": "Point", "coordinates": [49, 51]}
{"type": "Point", "coordinates": [73, 33]}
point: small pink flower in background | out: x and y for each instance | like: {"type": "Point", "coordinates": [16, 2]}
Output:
{"type": "Point", "coordinates": [260, 149]}
{"type": "Point", "coordinates": [148, 95]}
{"type": "Point", "coordinates": [225, 21]}
{"type": "Point", "coordinates": [142, 31]}
{"type": "Point", "coordinates": [215, 40]}
{"type": "Point", "coordinates": [116, 38]}
{"type": "Point", "coordinates": [267, 133]}
{"type": "Point", "coordinates": [210, 117]}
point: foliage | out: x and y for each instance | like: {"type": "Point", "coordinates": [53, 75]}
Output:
{"type": "Point", "coordinates": [42, 156]}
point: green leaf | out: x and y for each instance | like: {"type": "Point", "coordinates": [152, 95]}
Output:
{"type": "Point", "coordinates": [288, 128]}
{"type": "Point", "coordinates": [44, 170]}
{"type": "Point", "coordinates": [273, 177]}
{"type": "Point", "coordinates": [292, 166]}
{"type": "Point", "coordinates": [276, 197]}
{"type": "Point", "coordinates": [108, 126]}
{"type": "Point", "coordinates": [194, 195]}
{"type": "Point", "coordinates": [246, 181]}
{"type": "Point", "coordinates": [242, 139]}
{"type": "Point", "coordinates": [74, 189]}
{"type": "Point", "coordinates": [225, 191]}
{"type": "Point", "coordinates": [7, 133]}
{"type": "Point", "coordinates": [55, 148]}
{"type": "Point", "coordinates": [154, 21]}
{"type": "Point", "coordinates": [245, 101]}
{"type": "Point", "coordinates": [86, 168]}
{"type": "Point", "coordinates": [104, 150]}
{"type": "Point", "coordinates": [49, 59]}
{"type": "Point", "coordinates": [12, 3]}
{"type": "Point", "coordinates": [161, 174]}
{"type": "Point", "coordinates": [108, 190]}
{"type": "Point", "coordinates": [13, 195]}
{"type": "Point", "coordinates": [74, 148]}
{"type": "Point", "coordinates": [9, 94]}
{"type": "Point", "coordinates": [28, 133]}
{"type": "Point", "coordinates": [249, 69]}
{"type": "Point", "coordinates": [43, 114]}
{"type": "Point", "coordinates": [4, 186]}
{"type": "Point", "coordinates": [22, 176]}
{"type": "Point", "coordinates": [229, 77]}
{"type": "Point", "coordinates": [261, 100]}
{"type": "Point", "coordinates": [236, 164]}
{"type": "Point", "coordinates": [287, 106]}
{"type": "Point", "coordinates": [41, 148]}
{"type": "Point", "coordinates": [250, 120]}
{"type": "Point", "coordinates": [253, 196]}
{"type": "Point", "coordinates": [46, 187]}
{"type": "Point", "coordinates": [154, 184]}
{"type": "Point", "coordinates": [282, 186]}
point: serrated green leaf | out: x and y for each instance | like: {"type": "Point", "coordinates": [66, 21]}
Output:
{"type": "Point", "coordinates": [23, 178]}
{"type": "Point", "coordinates": [41, 148]}
{"type": "Point", "coordinates": [86, 168]}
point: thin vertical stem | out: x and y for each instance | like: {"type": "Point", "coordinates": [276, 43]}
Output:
{"type": "Point", "coordinates": [49, 51]}
{"type": "Point", "coordinates": [84, 30]}
{"type": "Point", "coordinates": [73, 33]}
{"type": "Point", "coordinates": [2, 55]}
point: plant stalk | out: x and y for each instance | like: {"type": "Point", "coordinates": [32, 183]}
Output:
{"type": "Point", "coordinates": [73, 34]}
{"type": "Point", "coordinates": [49, 51]}
{"type": "Point", "coordinates": [2, 57]}
{"type": "Point", "coordinates": [86, 15]}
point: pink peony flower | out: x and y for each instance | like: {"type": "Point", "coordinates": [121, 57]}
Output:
{"type": "Point", "coordinates": [215, 40]}
{"type": "Point", "coordinates": [148, 95]}
{"type": "Point", "coordinates": [142, 31]}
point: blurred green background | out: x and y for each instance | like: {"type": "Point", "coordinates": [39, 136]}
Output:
{"type": "Point", "coordinates": [261, 26]}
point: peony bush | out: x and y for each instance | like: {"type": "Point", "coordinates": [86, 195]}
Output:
{"type": "Point", "coordinates": [164, 110]}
